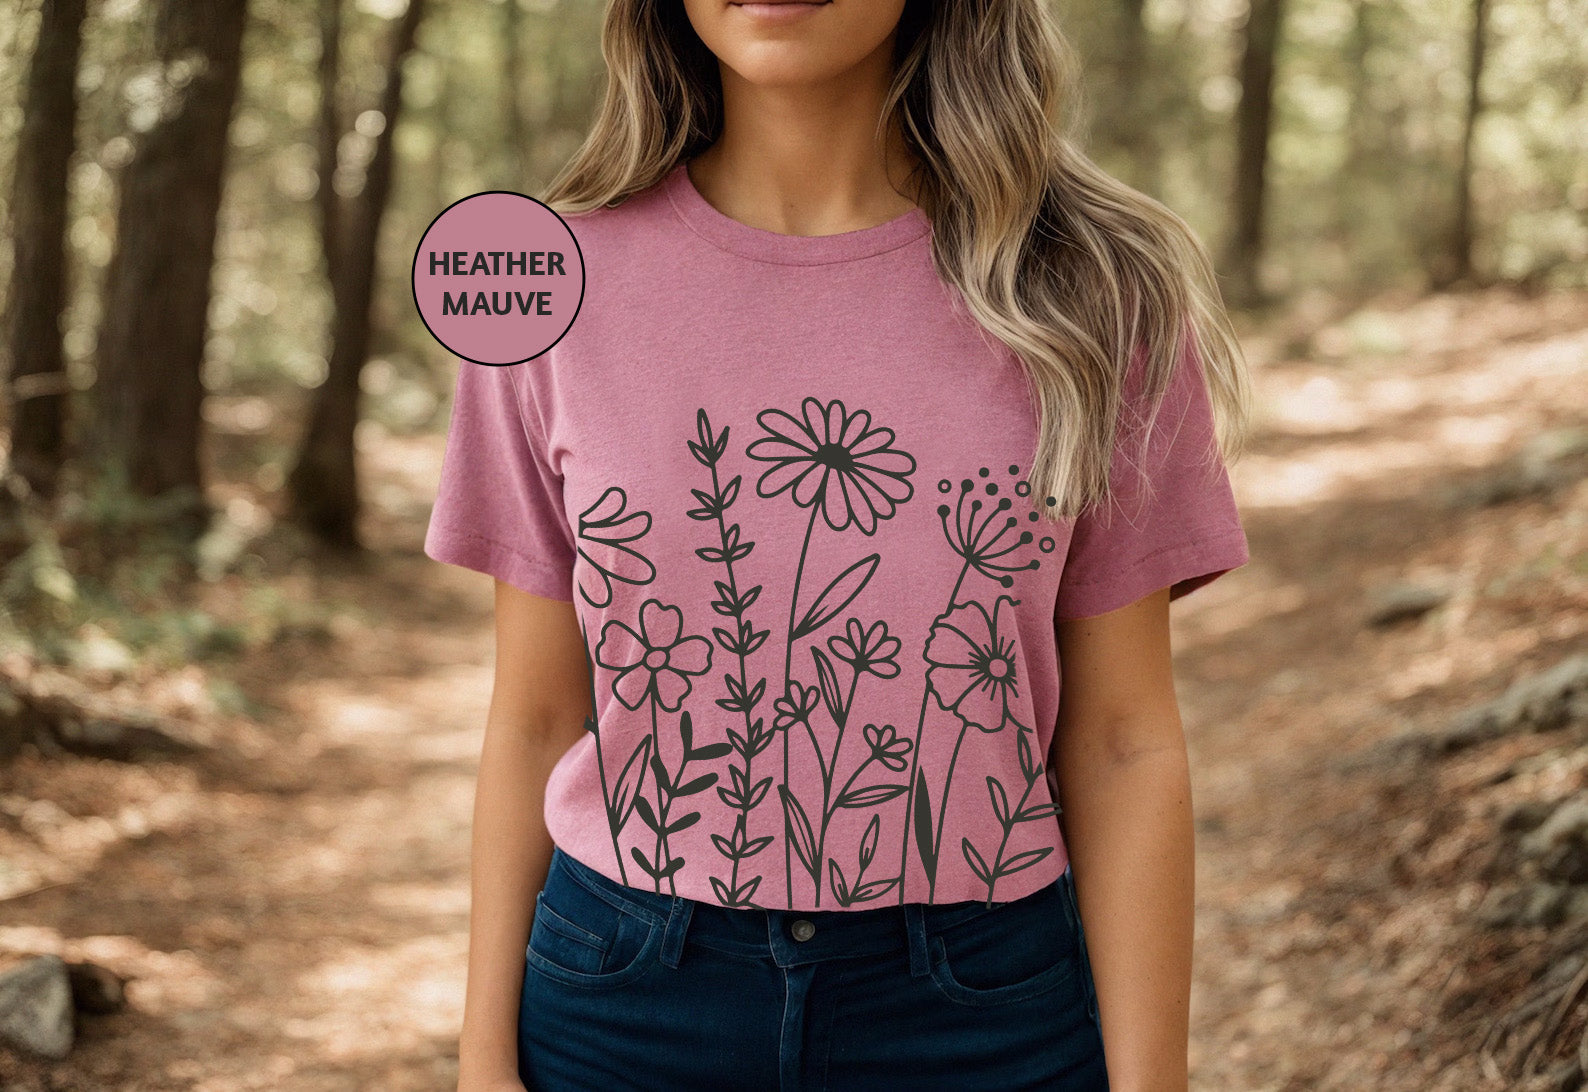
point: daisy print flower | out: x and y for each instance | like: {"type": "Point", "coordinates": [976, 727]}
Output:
{"type": "Point", "coordinates": [836, 461]}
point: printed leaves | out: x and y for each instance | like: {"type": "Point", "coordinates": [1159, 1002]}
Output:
{"type": "Point", "coordinates": [731, 549]}
{"type": "Point", "coordinates": [864, 891]}
{"type": "Point", "coordinates": [708, 451]}
{"type": "Point", "coordinates": [990, 874]}
{"type": "Point", "coordinates": [925, 843]}
{"type": "Point", "coordinates": [736, 794]}
{"type": "Point", "coordinates": [740, 640]}
{"type": "Point", "coordinates": [869, 797]}
{"type": "Point", "coordinates": [798, 826]}
{"type": "Point", "coordinates": [669, 792]}
{"type": "Point", "coordinates": [738, 700]}
{"type": "Point", "coordinates": [624, 794]}
{"type": "Point", "coordinates": [836, 596]}
{"type": "Point", "coordinates": [832, 696]}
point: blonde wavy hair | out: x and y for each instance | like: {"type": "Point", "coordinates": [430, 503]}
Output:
{"type": "Point", "coordinates": [1085, 278]}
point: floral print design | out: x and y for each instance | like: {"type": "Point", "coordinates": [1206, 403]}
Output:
{"type": "Point", "coordinates": [973, 672]}
{"type": "Point", "coordinates": [656, 661]}
{"type": "Point", "coordinates": [838, 464]}
{"type": "Point", "coordinates": [606, 529]}
{"type": "Point", "coordinates": [835, 462]}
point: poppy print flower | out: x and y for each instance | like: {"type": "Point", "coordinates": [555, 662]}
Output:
{"type": "Point", "coordinates": [605, 531]}
{"type": "Point", "coordinates": [654, 661]}
{"type": "Point", "coordinates": [973, 666]}
{"type": "Point", "coordinates": [836, 461]}
{"type": "Point", "coordinates": [867, 650]}
{"type": "Point", "coordinates": [886, 746]}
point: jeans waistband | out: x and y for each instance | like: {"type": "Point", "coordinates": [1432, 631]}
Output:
{"type": "Point", "coordinates": [772, 933]}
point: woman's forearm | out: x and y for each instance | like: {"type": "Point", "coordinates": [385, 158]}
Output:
{"type": "Point", "coordinates": [510, 856]}
{"type": "Point", "coordinates": [1128, 826]}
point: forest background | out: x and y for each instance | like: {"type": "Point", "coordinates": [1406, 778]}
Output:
{"type": "Point", "coordinates": [239, 711]}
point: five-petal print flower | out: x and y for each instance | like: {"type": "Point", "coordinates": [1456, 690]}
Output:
{"type": "Point", "coordinates": [605, 531]}
{"type": "Point", "coordinates": [836, 461]}
{"type": "Point", "coordinates": [867, 649]}
{"type": "Point", "coordinates": [973, 665]}
{"type": "Point", "coordinates": [886, 746]}
{"type": "Point", "coordinates": [654, 661]}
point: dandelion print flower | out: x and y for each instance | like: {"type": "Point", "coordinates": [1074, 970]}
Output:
{"type": "Point", "coordinates": [836, 461]}
{"type": "Point", "coordinates": [886, 746]}
{"type": "Point", "coordinates": [985, 539]}
{"type": "Point", "coordinates": [654, 661]}
{"type": "Point", "coordinates": [867, 650]}
{"type": "Point", "coordinates": [973, 666]}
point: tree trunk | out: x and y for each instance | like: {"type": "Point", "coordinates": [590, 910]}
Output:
{"type": "Point", "coordinates": [38, 280]}
{"type": "Point", "coordinates": [1132, 109]}
{"type": "Point", "coordinates": [1456, 266]}
{"type": "Point", "coordinates": [149, 392]}
{"type": "Point", "coordinates": [330, 73]}
{"type": "Point", "coordinates": [323, 485]}
{"type": "Point", "coordinates": [513, 96]}
{"type": "Point", "coordinates": [1253, 129]}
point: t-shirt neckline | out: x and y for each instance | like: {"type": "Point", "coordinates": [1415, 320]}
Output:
{"type": "Point", "coordinates": [724, 231]}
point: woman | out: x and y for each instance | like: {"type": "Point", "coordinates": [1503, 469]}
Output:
{"type": "Point", "coordinates": [886, 417]}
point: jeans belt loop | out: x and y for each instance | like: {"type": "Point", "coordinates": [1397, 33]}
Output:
{"type": "Point", "coordinates": [915, 931]}
{"type": "Point", "coordinates": [678, 919]}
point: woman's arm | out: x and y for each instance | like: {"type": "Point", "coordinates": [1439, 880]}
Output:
{"type": "Point", "coordinates": [1125, 789]}
{"type": "Point", "coordinates": [539, 700]}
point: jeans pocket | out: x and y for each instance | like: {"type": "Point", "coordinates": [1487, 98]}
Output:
{"type": "Point", "coordinates": [1017, 951]}
{"type": "Point", "coordinates": [581, 938]}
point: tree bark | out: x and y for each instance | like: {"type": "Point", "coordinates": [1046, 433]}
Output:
{"type": "Point", "coordinates": [38, 388]}
{"type": "Point", "coordinates": [513, 95]}
{"type": "Point", "coordinates": [1457, 265]}
{"type": "Point", "coordinates": [149, 393]}
{"type": "Point", "coordinates": [323, 486]}
{"type": "Point", "coordinates": [1253, 129]}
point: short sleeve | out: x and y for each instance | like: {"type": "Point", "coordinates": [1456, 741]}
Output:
{"type": "Point", "coordinates": [499, 507]}
{"type": "Point", "coordinates": [1179, 530]}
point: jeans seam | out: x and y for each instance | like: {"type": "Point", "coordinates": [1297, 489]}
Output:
{"type": "Point", "coordinates": [622, 905]}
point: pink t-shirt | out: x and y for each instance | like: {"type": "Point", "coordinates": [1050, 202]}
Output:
{"type": "Point", "coordinates": [780, 478]}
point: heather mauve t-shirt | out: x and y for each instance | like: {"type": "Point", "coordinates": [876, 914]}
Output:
{"type": "Point", "coordinates": [780, 478]}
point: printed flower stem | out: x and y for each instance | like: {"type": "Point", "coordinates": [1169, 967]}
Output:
{"type": "Point", "coordinates": [1009, 826]}
{"type": "Point", "coordinates": [742, 794]}
{"type": "Point", "coordinates": [614, 820]}
{"type": "Point", "coordinates": [1032, 770]}
{"type": "Point", "coordinates": [661, 796]}
{"type": "Point", "coordinates": [788, 666]}
{"type": "Point", "coordinates": [829, 809]}
{"type": "Point", "coordinates": [942, 805]}
{"type": "Point", "coordinates": [915, 754]}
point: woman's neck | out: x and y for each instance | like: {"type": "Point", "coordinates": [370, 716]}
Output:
{"type": "Point", "coordinates": [803, 160]}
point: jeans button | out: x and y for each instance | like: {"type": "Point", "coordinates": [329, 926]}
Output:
{"type": "Point", "coordinates": [803, 929]}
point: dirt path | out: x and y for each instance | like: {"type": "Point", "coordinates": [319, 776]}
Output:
{"type": "Point", "coordinates": [292, 908]}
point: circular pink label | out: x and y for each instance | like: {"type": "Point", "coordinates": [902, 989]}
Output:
{"type": "Point", "coordinates": [498, 278]}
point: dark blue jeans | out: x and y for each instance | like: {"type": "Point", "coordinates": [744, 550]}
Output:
{"type": "Point", "coordinates": [629, 989]}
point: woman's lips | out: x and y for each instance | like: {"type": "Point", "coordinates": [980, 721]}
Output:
{"type": "Point", "coordinates": [778, 11]}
